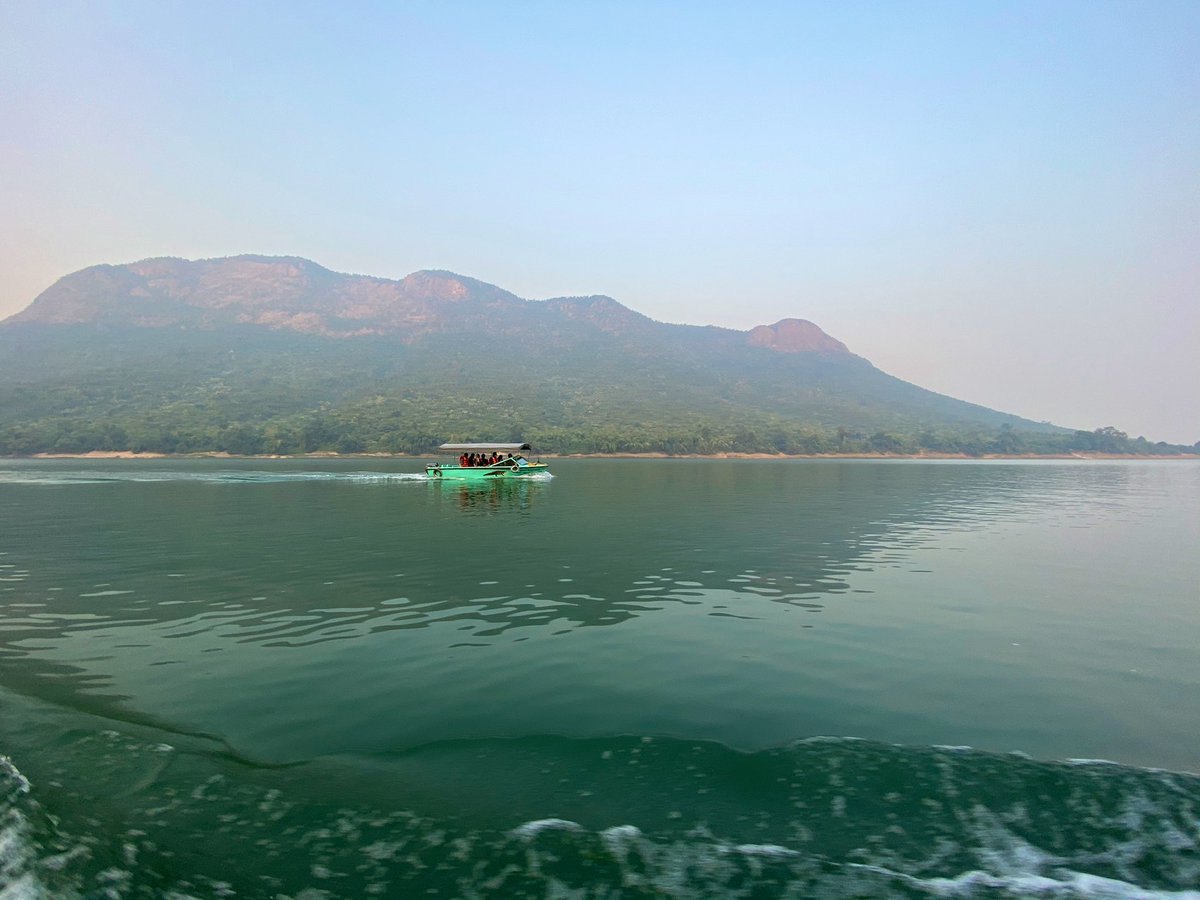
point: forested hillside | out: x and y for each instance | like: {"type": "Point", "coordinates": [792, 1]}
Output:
{"type": "Point", "coordinates": [263, 355]}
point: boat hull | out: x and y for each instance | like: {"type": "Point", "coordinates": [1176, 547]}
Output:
{"type": "Point", "coordinates": [484, 473]}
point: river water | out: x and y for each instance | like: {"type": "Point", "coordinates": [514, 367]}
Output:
{"type": "Point", "coordinates": [637, 678]}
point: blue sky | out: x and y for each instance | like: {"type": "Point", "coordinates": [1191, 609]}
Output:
{"type": "Point", "coordinates": [999, 201]}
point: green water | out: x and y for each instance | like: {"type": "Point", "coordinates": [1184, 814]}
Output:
{"type": "Point", "coordinates": [637, 678]}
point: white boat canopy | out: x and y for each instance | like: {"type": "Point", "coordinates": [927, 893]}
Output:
{"type": "Point", "coordinates": [482, 448]}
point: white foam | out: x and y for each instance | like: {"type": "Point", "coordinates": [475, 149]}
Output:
{"type": "Point", "coordinates": [829, 739]}
{"type": "Point", "coordinates": [222, 476]}
{"type": "Point", "coordinates": [1028, 884]}
{"type": "Point", "coordinates": [621, 833]}
{"type": "Point", "coordinates": [24, 888]}
{"type": "Point", "coordinates": [7, 768]}
{"type": "Point", "coordinates": [17, 882]}
{"type": "Point", "coordinates": [1006, 864]}
{"type": "Point", "coordinates": [771, 851]}
{"type": "Point", "coordinates": [530, 830]}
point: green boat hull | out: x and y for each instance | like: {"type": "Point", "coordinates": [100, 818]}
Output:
{"type": "Point", "coordinates": [484, 473]}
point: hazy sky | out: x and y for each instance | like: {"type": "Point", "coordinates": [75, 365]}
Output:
{"type": "Point", "coordinates": [999, 201]}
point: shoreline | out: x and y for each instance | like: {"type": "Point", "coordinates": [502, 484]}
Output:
{"type": "Point", "coordinates": [330, 454]}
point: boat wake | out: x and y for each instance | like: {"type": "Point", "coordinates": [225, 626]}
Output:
{"type": "Point", "coordinates": [18, 846]}
{"type": "Point", "coordinates": [230, 476]}
{"type": "Point", "coordinates": [624, 816]}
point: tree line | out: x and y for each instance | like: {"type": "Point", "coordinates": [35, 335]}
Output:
{"type": "Point", "coordinates": [364, 430]}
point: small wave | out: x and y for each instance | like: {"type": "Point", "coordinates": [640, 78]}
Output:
{"type": "Point", "coordinates": [700, 865]}
{"type": "Point", "coordinates": [695, 820]}
{"type": "Point", "coordinates": [92, 476]}
{"type": "Point", "coordinates": [530, 830]}
{"type": "Point", "coordinates": [11, 774]}
{"type": "Point", "coordinates": [18, 858]}
{"type": "Point", "coordinates": [1066, 884]}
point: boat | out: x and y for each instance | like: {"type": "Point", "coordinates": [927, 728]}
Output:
{"type": "Point", "coordinates": [512, 463]}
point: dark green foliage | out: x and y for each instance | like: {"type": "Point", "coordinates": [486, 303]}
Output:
{"type": "Point", "coordinates": [250, 391]}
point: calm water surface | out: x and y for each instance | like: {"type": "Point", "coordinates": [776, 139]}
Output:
{"type": "Point", "coordinates": [637, 678]}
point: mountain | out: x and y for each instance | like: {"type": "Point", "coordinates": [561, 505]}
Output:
{"type": "Point", "coordinates": [255, 353]}
{"type": "Point", "coordinates": [284, 293]}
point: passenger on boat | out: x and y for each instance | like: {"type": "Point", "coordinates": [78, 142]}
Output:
{"type": "Point", "coordinates": [462, 460]}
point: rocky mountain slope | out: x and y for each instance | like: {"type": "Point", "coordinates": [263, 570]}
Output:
{"type": "Point", "coordinates": [171, 347]}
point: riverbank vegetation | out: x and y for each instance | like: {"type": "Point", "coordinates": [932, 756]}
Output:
{"type": "Point", "coordinates": [354, 431]}
{"type": "Point", "coordinates": [255, 392]}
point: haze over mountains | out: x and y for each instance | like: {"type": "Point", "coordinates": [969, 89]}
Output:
{"type": "Point", "coordinates": [293, 294]}
{"type": "Point", "coordinates": [278, 354]}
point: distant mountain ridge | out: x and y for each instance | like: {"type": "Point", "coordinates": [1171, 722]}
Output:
{"type": "Point", "coordinates": [270, 354]}
{"type": "Point", "coordinates": [295, 294]}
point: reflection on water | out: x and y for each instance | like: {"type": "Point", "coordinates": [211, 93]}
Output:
{"type": "Point", "coordinates": [489, 498]}
{"type": "Point", "coordinates": [750, 601]}
{"type": "Point", "coordinates": [310, 556]}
